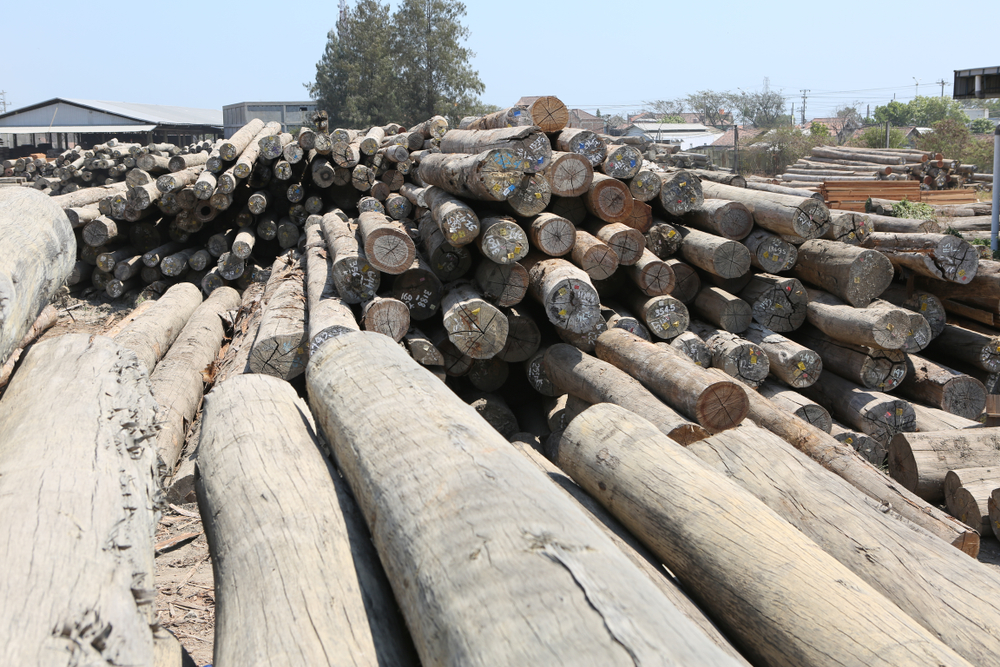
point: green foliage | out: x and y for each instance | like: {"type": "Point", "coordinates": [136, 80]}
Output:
{"type": "Point", "coordinates": [406, 66]}
{"type": "Point", "coordinates": [771, 152]}
{"type": "Point", "coordinates": [926, 111]}
{"type": "Point", "coordinates": [914, 210]}
{"type": "Point", "coordinates": [894, 113]}
{"type": "Point", "coordinates": [992, 104]}
{"type": "Point", "coordinates": [713, 105]}
{"type": "Point", "coordinates": [874, 137]}
{"type": "Point", "coordinates": [981, 126]}
{"type": "Point", "coordinates": [955, 141]}
{"type": "Point", "coordinates": [819, 130]}
{"type": "Point", "coordinates": [672, 119]}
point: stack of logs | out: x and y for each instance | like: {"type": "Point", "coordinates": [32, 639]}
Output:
{"type": "Point", "coordinates": [846, 163]}
{"type": "Point", "coordinates": [590, 306]}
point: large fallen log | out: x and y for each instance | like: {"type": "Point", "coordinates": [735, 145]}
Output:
{"type": "Point", "coordinates": [920, 461]}
{"type": "Point", "coordinates": [491, 176]}
{"type": "Point", "coordinates": [151, 335]}
{"type": "Point", "coordinates": [709, 252]}
{"type": "Point", "coordinates": [662, 494]}
{"type": "Point", "coordinates": [490, 506]}
{"type": "Point", "coordinates": [281, 348]}
{"type": "Point", "coordinates": [574, 372]}
{"type": "Point", "coordinates": [714, 402]}
{"type": "Point", "coordinates": [881, 328]}
{"type": "Point", "coordinates": [45, 320]}
{"type": "Point", "coordinates": [37, 254]}
{"type": "Point", "coordinates": [869, 367]}
{"type": "Point", "coordinates": [776, 302]}
{"type": "Point", "coordinates": [936, 256]}
{"type": "Point", "coordinates": [981, 350]}
{"type": "Point", "coordinates": [877, 414]}
{"type": "Point", "coordinates": [794, 364]}
{"type": "Point", "coordinates": [531, 148]}
{"type": "Point", "coordinates": [729, 219]}
{"type": "Point", "coordinates": [79, 503]}
{"type": "Point", "coordinates": [255, 429]}
{"type": "Point", "coordinates": [795, 403]}
{"type": "Point", "coordinates": [967, 493]}
{"type": "Point", "coordinates": [856, 275]}
{"type": "Point", "coordinates": [904, 563]}
{"type": "Point", "coordinates": [802, 217]}
{"type": "Point", "coordinates": [178, 380]}
{"type": "Point", "coordinates": [942, 387]}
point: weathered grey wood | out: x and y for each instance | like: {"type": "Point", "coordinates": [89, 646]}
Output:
{"type": "Point", "coordinates": [325, 309]}
{"type": "Point", "coordinates": [967, 493]}
{"type": "Point", "coordinates": [626, 242]}
{"type": "Point", "coordinates": [662, 494]}
{"type": "Point", "coordinates": [387, 245]}
{"type": "Point", "coordinates": [680, 192]}
{"type": "Point", "coordinates": [256, 430]}
{"type": "Point", "coordinates": [645, 185]}
{"type": "Point", "coordinates": [937, 256]}
{"type": "Point", "coordinates": [920, 461]}
{"type": "Point", "coordinates": [574, 372]}
{"type": "Point", "coordinates": [881, 328]}
{"type": "Point", "coordinates": [943, 388]}
{"type": "Point", "coordinates": [572, 585]}
{"type": "Point", "coordinates": [531, 197]}
{"type": "Point", "coordinates": [735, 356]}
{"type": "Point", "coordinates": [868, 448]}
{"type": "Point", "coordinates": [530, 147]}
{"type": "Point", "coordinates": [924, 303]}
{"type": "Point", "coordinates": [456, 219]}
{"type": "Point", "coordinates": [918, 332]}
{"type": "Point", "coordinates": [355, 278]}
{"type": "Point", "coordinates": [583, 142]}
{"type": "Point", "coordinates": [722, 309]}
{"type": "Point", "coordinates": [622, 162]}
{"type": "Point", "coordinates": [665, 316]}
{"type": "Point", "coordinates": [904, 563]}
{"type": "Point", "coordinates": [803, 217]}
{"type": "Point", "coordinates": [387, 316]}
{"type": "Point", "coordinates": [662, 239]}
{"type": "Point", "coordinates": [932, 419]}
{"type": "Point", "coordinates": [693, 347]}
{"type": "Point", "coordinates": [502, 284]}
{"type": "Point", "coordinates": [795, 403]}
{"type": "Point", "coordinates": [794, 364]}
{"type": "Point", "coordinates": [281, 347]}
{"type": "Point", "coordinates": [856, 275]}
{"type": "Point", "coordinates": [594, 256]}
{"type": "Point", "coordinates": [569, 298]}
{"type": "Point", "coordinates": [769, 252]}
{"type": "Point", "coordinates": [849, 227]}
{"type": "Point", "coordinates": [869, 367]}
{"type": "Point", "coordinates": [178, 381]}
{"type": "Point", "coordinates": [729, 219]}
{"type": "Point", "coordinates": [37, 254]}
{"type": "Point", "coordinates": [776, 302]}
{"type": "Point", "coordinates": [491, 176]}
{"type": "Point", "coordinates": [713, 402]}
{"type": "Point", "coordinates": [477, 328]}
{"type": "Point", "coordinates": [79, 506]}
{"type": "Point", "coordinates": [879, 415]}
{"type": "Point", "coordinates": [501, 239]}
{"type": "Point", "coordinates": [152, 334]}
{"type": "Point", "coordinates": [246, 323]}
{"type": "Point", "coordinates": [979, 349]}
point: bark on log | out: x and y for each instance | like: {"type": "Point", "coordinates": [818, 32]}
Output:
{"type": "Point", "coordinates": [456, 220]}
{"type": "Point", "coordinates": [281, 348]}
{"type": "Point", "coordinates": [770, 253]}
{"type": "Point", "coordinates": [387, 245]}
{"type": "Point", "coordinates": [795, 403]}
{"type": "Point", "coordinates": [569, 298]}
{"type": "Point", "coordinates": [734, 356]}
{"type": "Point", "coordinates": [627, 243]}
{"type": "Point", "coordinates": [583, 142]}
{"type": "Point", "coordinates": [853, 274]}
{"type": "Point", "coordinates": [722, 309]}
{"type": "Point", "coordinates": [552, 234]}
{"type": "Point", "coordinates": [869, 367]}
{"type": "Point", "coordinates": [938, 256]}
{"type": "Point", "coordinates": [502, 284]}
{"type": "Point", "coordinates": [680, 192]}
{"type": "Point", "coordinates": [37, 254]}
{"type": "Point", "coordinates": [574, 372]}
{"type": "Point", "coordinates": [662, 494]}
{"type": "Point", "coordinates": [795, 365]}
{"type": "Point", "coordinates": [943, 388]}
{"type": "Point", "coordinates": [488, 484]}
{"type": "Point", "coordinates": [327, 556]}
{"type": "Point", "coordinates": [729, 219]}
{"type": "Point", "coordinates": [714, 403]}
{"type": "Point", "coordinates": [490, 176]}
{"type": "Point", "coordinates": [881, 328]}
{"type": "Point", "coordinates": [804, 217]}
{"type": "Point", "coordinates": [530, 148]}
{"type": "Point", "coordinates": [178, 380]}
{"type": "Point", "coordinates": [79, 503]}
{"type": "Point", "coordinates": [718, 256]}
{"type": "Point", "coordinates": [325, 309]}
{"type": "Point", "coordinates": [569, 174]}
{"type": "Point", "coordinates": [849, 227]}
{"type": "Point", "coordinates": [387, 316]}
{"type": "Point", "coordinates": [920, 461]}
{"type": "Point", "coordinates": [967, 493]}
{"type": "Point", "coordinates": [609, 199]}
{"type": "Point", "coordinates": [476, 327]}
{"type": "Point", "coordinates": [355, 278]}
{"type": "Point", "coordinates": [972, 347]}
{"type": "Point", "coordinates": [151, 335]}
{"type": "Point", "coordinates": [879, 415]}
{"type": "Point", "coordinates": [662, 239]}
{"type": "Point", "coordinates": [904, 563]}
{"type": "Point", "coordinates": [651, 275]}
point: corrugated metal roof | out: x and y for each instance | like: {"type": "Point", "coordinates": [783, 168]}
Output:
{"type": "Point", "coordinates": [156, 113]}
{"type": "Point", "coordinates": [74, 129]}
{"type": "Point", "coordinates": [653, 126]}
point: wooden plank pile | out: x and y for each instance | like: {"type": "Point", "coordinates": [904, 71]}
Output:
{"type": "Point", "coordinates": [659, 345]}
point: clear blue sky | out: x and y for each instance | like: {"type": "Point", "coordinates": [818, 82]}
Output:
{"type": "Point", "coordinates": [593, 55]}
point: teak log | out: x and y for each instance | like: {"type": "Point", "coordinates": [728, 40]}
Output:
{"type": "Point", "coordinates": [795, 365]}
{"type": "Point", "coordinates": [918, 333]}
{"type": "Point", "coordinates": [626, 242]}
{"type": "Point", "coordinates": [680, 192]}
{"type": "Point", "coordinates": [552, 234]}
{"type": "Point", "coordinates": [729, 219]}
{"type": "Point", "coordinates": [387, 245]}
{"type": "Point", "coordinates": [548, 112]}
{"type": "Point", "coordinates": [37, 254]}
{"type": "Point", "coordinates": [967, 493]}
{"type": "Point", "coordinates": [501, 239]}
{"type": "Point", "coordinates": [882, 328]}
{"type": "Point", "coordinates": [665, 316]}
{"type": "Point", "coordinates": [151, 335]}
{"type": "Point", "coordinates": [942, 387]}
{"type": "Point", "coordinates": [795, 403]}
{"type": "Point", "coordinates": [868, 448]}
{"type": "Point", "coordinates": [662, 239]}
{"type": "Point", "coordinates": [938, 256]}
{"type": "Point", "coordinates": [769, 252]}
{"type": "Point", "coordinates": [482, 487]}
{"type": "Point", "coordinates": [355, 278]}
{"type": "Point", "coordinates": [856, 275]}
{"type": "Point", "coordinates": [722, 309]}
{"type": "Point", "coordinates": [491, 176]}
{"type": "Point", "coordinates": [568, 174]}
{"type": "Point", "coordinates": [904, 563]}
{"type": "Point", "coordinates": [387, 316]}
{"type": "Point", "coordinates": [981, 350]}
{"type": "Point", "coordinates": [849, 227]}
{"type": "Point", "coordinates": [574, 372]}
{"type": "Point", "coordinates": [622, 162]}
{"type": "Point", "coordinates": [594, 256]}
{"type": "Point", "coordinates": [456, 219]}
{"type": "Point", "coordinates": [693, 347]}
{"type": "Point", "coordinates": [281, 347]}
{"type": "Point", "coordinates": [609, 199]}
{"type": "Point", "coordinates": [178, 380]}
{"type": "Point", "coordinates": [569, 298]}
{"type": "Point", "coordinates": [687, 282]}
{"type": "Point", "coordinates": [651, 275]}
{"type": "Point", "coordinates": [582, 142]}
{"type": "Point", "coordinates": [325, 309]}
{"type": "Point", "coordinates": [255, 428]}
{"type": "Point", "coordinates": [803, 217]}
{"type": "Point", "coordinates": [920, 461]}
{"type": "Point", "coordinates": [776, 302]}
{"type": "Point", "coordinates": [420, 289]}
{"type": "Point", "coordinates": [924, 303]}
{"type": "Point", "coordinates": [769, 596]}
{"type": "Point", "coordinates": [531, 197]}
{"type": "Point", "coordinates": [869, 367]}
{"type": "Point", "coordinates": [476, 327]}
{"type": "Point", "coordinates": [712, 253]}
{"type": "Point", "coordinates": [714, 403]}
{"type": "Point", "coordinates": [879, 415]}
{"type": "Point", "coordinates": [734, 356]}
{"type": "Point", "coordinates": [79, 503]}
{"type": "Point", "coordinates": [531, 149]}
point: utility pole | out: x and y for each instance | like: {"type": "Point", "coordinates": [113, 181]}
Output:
{"type": "Point", "coordinates": [805, 93]}
{"type": "Point", "coordinates": [793, 113]}
{"type": "Point", "coordinates": [917, 93]}
{"type": "Point", "coordinates": [943, 84]}
{"type": "Point", "coordinates": [3, 101]}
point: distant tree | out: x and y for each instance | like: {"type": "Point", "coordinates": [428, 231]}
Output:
{"type": "Point", "coordinates": [992, 104]}
{"type": "Point", "coordinates": [894, 113]}
{"type": "Point", "coordinates": [672, 119]}
{"type": "Point", "coordinates": [666, 107]}
{"type": "Point", "coordinates": [431, 63]}
{"type": "Point", "coordinates": [874, 137]}
{"type": "Point", "coordinates": [926, 111]}
{"type": "Point", "coordinates": [981, 126]}
{"type": "Point", "coordinates": [950, 137]}
{"type": "Point", "coordinates": [765, 108]}
{"type": "Point", "coordinates": [771, 152]}
{"type": "Point", "coordinates": [851, 115]}
{"type": "Point", "coordinates": [819, 130]}
{"type": "Point", "coordinates": [714, 106]}
{"type": "Point", "coordinates": [355, 82]}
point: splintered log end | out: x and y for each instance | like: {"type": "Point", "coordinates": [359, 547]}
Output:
{"type": "Point", "coordinates": [722, 406]}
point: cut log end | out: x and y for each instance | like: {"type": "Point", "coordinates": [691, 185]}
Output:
{"type": "Point", "coordinates": [722, 405]}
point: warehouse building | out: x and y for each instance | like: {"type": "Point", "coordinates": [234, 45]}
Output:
{"type": "Point", "coordinates": [291, 115]}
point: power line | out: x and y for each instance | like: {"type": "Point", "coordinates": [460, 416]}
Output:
{"type": "Point", "coordinates": [943, 84]}
{"type": "Point", "coordinates": [804, 92]}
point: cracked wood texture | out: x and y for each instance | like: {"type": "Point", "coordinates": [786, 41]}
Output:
{"type": "Point", "coordinates": [324, 307]}
{"type": "Point", "coordinates": [856, 275]}
{"type": "Point", "coordinates": [879, 415]}
{"type": "Point", "coordinates": [151, 334]}
{"type": "Point", "coordinates": [489, 176]}
{"type": "Point", "coordinates": [502, 284]}
{"type": "Point", "coordinates": [627, 243]}
{"type": "Point", "coordinates": [715, 403]}
{"type": "Point", "coordinates": [578, 374]}
{"type": "Point", "coordinates": [281, 347]}
{"type": "Point", "coordinates": [387, 245]}
{"type": "Point", "coordinates": [979, 349]}
{"type": "Point", "coordinates": [924, 303]}
{"type": "Point", "coordinates": [714, 254]}
{"type": "Point", "coordinates": [939, 256]}
{"type": "Point", "coordinates": [653, 276]}
{"type": "Point", "coordinates": [582, 142]}
{"type": "Point", "coordinates": [921, 461]}
{"type": "Point", "coordinates": [489, 563]}
{"type": "Point", "coordinates": [477, 328]}
{"type": "Point", "coordinates": [457, 221]}
{"type": "Point", "coordinates": [918, 333]}
{"type": "Point", "coordinates": [565, 291]}
{"type": "Point", "coordinates": [849, 227]}
{"type": "Point", "coordinates": [943, 388]}
{"type": "Point", "coordinates": [645, 186]}
{"type": "Point", "coordinates": [733, 355]}
{"type": "Point", "coordinates": [770, 253]}
{"type": "Point", "coordinates": [789, 215]}
{"type": "Point", "coordinates": [78, 506]}
{"type": "Point", "coordinates": [387, 316]}
{"type": "Point", "coordinates": [594, 256]}
{"type": "Point", "coordinates": [37, 254]}
{"type": "Point", "coordinates": [665, 316]}
{"type": "Point", "coordinates": [795, 365]}
{"type": "Point", "coordinates": [246, 322]}
{"type": "Point", "coordinates": [273, 503]}
{"type": "Point", "coordinates": [967, 493]}
{"type": "Point", "coordinates": [729, 219]}
{"type": "Point", "coordinates": [552, 234]}
{"type": "Point", "coordinates": [904, 563]}
{"type": "Point", "coordinates": [692, 346]}
{"type": "Point", "coordinates": [770, 587]}
{"type": "Point", "coordinates": [868, 448]}
{"type": "Point", "coordinates": [662, 239]}
{"type": "Point", "coordinates": [530, 148]}
{"type": "Point", "coordinates": [523, 336]}
{"type": "Point", "coordinates": [680, 192]}
{"type": "Point", "coordinates": [630, 546]}
{"type": "Point", "coordinates": [867, 366]}
{"type": "Point", "coordinates": [420, 288]}
{"type": "Point", "coordinates": [882, 328]}
{"type": "Point", "coordinates": [722, 309]}
{"type": "Point", "coordinates": [795, 403]}
{"type": "Point", "coordinates": [777, 302]}
{"type": "Point", "coordinates": [501, 239]}
{"type": "Point", "coordinates": [568, 174]}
